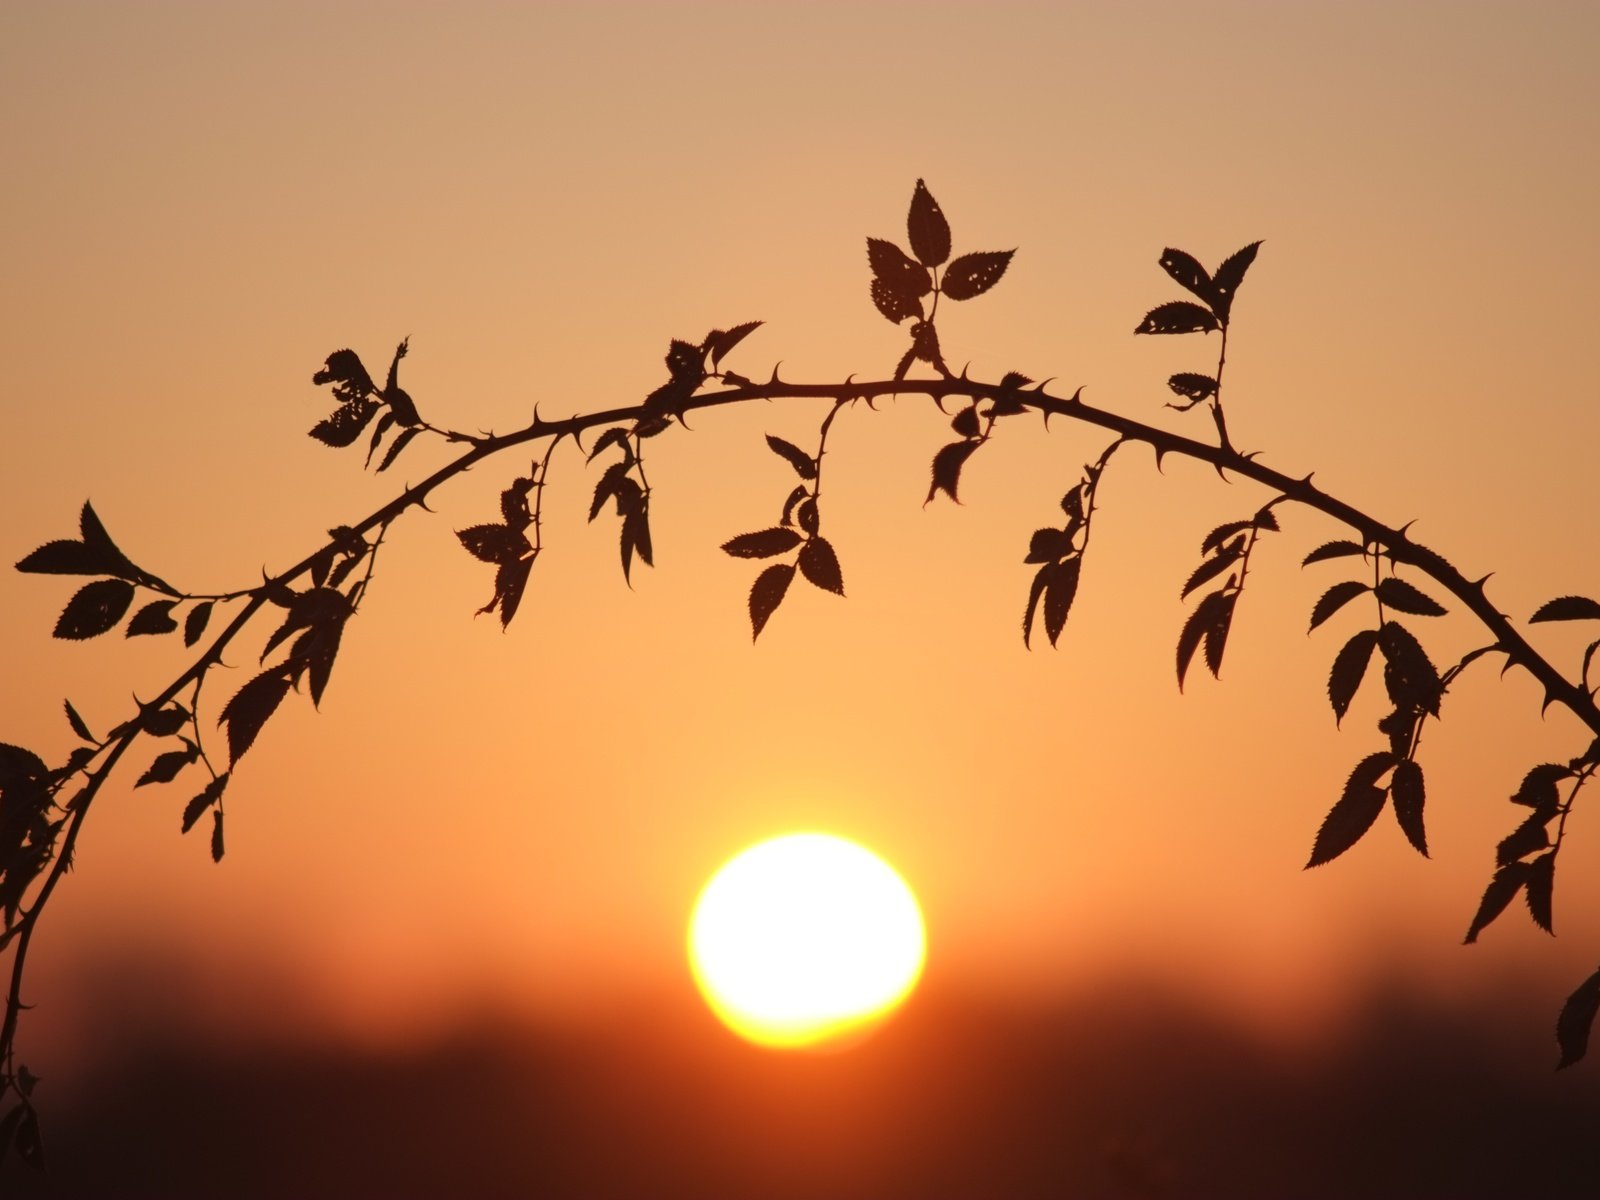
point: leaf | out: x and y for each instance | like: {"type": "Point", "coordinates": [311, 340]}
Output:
{"type": "Point", "coordinates": [344, 425]}
{"type": "Point", "coordinates": [820, 565]}
{"type": "Point", "coordinates": [1538, 788]}
{"type": "Point", "coordinates": [1562, 608]}
{"type": "Point", "coordinates": [166, 766]}
{"type": "Point", "coordinates": [1188, 274]}
{"type": "Point", "coordinates": [947, 464]}
{"type": "Point", "coordinates": [794, 456]}
{"type": "Point", "coordinates": [1195, 387]}
{"type": "Point", "coordinates": [1502, 889]}
{"type": "Point", "coordinates": [1576, 1019]}
{"type": "Point", "coordinates": [1214, 608]}
{"type": "Point", "coordinates": [1013, 381]}
{"type": "Point", "coordinates": [905, 277]}
{"type": "Point", "coordinates": [217, 847]}
{"type": "Point", "coordinates": [1266, 520]}
{"type": "Point", "coordinates": [510, 581]}
{"type": "Point", "coordinates": [208, 796]}
{"type": "Point", "coordinates": [155, 617]}
{"type": "Point", "coordinates": [1540, 890]}
{"type": "Point", "coordinates": [402, 408]}
{"type": "Point", "coordinates": [19, 766]}
{"type": "Point", "coordinates": [72, 558]}
{"type": "Point", "coordinates": [1221, 534]}
{"type": "Point", "coordinates": [764, 543]}
{"type": "Point", "coordinates": [800, 493]}
{"type": "Point", "coordinates": [385, 423]}
{"type": "Point", "coordinates": [895, 305]}
{"type": "Point", "coordinates": [79, 726]}
{"type": "Point", "coordinates": [928, 230]}
{"type": "Point", "coordinates": [1225, 283]}
{"type": "Point", "coordinates": [1212, 567]}
{"type": "Point", "coordinates": [399, 444]}
{"type": "Point", "coordinates": [194, 625]}
{"type": "Point", "coordinates": [494, 543]}
{"type": "Point", "coordinates": [965, 422]}
{"type": "Point", "coordinates": [685, 363]}
{"type": "Point", "coordinates": [615, 436]}
{"type": "Point", "coordinates": [1355, 812]}
{"type": "Point", "coordinates": [1041, 577]}
{"type": "Point", "coordinates": [1327, 550]}
{"type": "Point", "coordinates": [1177, 317]}
{"type": "Point", "coordinates": [1522, 841]}
{"type": "Point", "coordinates": [766, 594]}
{"type": "Point", "coordinates": [1409, 674]}
{"type": "Point", "coordinates": [720, 343]}
{"type": "Point", "coordinates": [1047, 545]}
{"type": "Point", "coordinates": [974, 274]}
{"type": "Point", "coordinates": [1060, 590]}
{"type": "Point", "coordinates": [96, 607]}
{"type": "Point", "coordinates": [1217, 632]}
{"type": "Point", "coordinates": [612, 483]}
{"type": "Point", "coordinates": [344, 366]}
{"type": "Point", "coordinates": [514, 508]}
{"type": "Point", "coordinates": [636, 538]}
{"type": "Point", "coordinates": [30, 1146]}
{"type": "Point", "coordinates": [1400, 595]}
{"type": "Point", "coordinates": [806, 515]}
{"type": "Point", "coordinates": [1409, 798]}
{"type": "Point", "coordinates": [1349, 666]}
{"type": "Point", "coordinates": [250, 709]}
{"type": "Point", "coordinates": [163, 722]}
{"type": "Point", "coordinates": [1334, 599]}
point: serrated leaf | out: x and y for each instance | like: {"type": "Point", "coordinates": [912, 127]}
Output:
{"type": "Point", "coordinates": [79, 726]}
{"type": "Point", "coordinates": [1349, 666]}
{"type": "Point", "coordinates": [1047, 545]}
{"type": "Point", "coordinates": [1403, 597]}
{"type": "Point", "coordinates": [806, 515]}
{"type": "Point", "coordinates": [194, 625]}
{"type": "Point", "coordinates": [1576, 1021]}
{"type": "Point", "coordinates": [1538, 788]}
{"type": "Point", "coordinates": [820, 565]}
{"type": "Point", "coordinates": [896, 306]}
{"type": "Point", "coordinates": [1059, 591]}
{"type": "Point", "coordinates": [71, 558]}
{"type": "Point", "coordinates": [514, 508]}
{"type": "Point", "coordinates": [1409, 798]}
{"type": "Point", "coordinates": [1221, 534]}
{"type": "Point", "coordinates": [611, 484]}
{"type": "Point", "coordinates": [965, 422]}
{"type": "Point", "coordinates": [1212, 567]}
{"type": "Point", "coordinates": [636, 537]}
{"type": "Point", "coordinates": [1539, 891]}
{"type": "Point", "coordinates": [217, 847]}
{"type": "Point", "coordinates": [1217, 632]}
{"type": "Point", "coordinates": [1214, 607]}
{"type": "Point", "coordinates": [766, 594]}
{"type": "Point", "coordinates": [344, 425]}
{"type": "Point", "coordinates": [1225, 283]}
{"type": "Point", "coordinates": [1179, 316]}
{"type": "Point", "coordinates": [1336, 549]}
{"type": "Point", "coordinates": [250, 708]}
{"type": "Point", "coordinates": [615, 436]}
{"type": "Point", "coordinates": [764, 543]}
{"type": "Point", "coordinates": [1409, 674]}
{"type": "Point", "coordinates": [1502, 889]}
{"type": "Point", "coordinates": [1194, 387]}
{"type": "Point", "coordinates": [153, 618]}
{"type": "Point", "coordinates": [974, 274]}
{"type": "Point", "coordinates": [1524, 840]}
{"type": "Point", "coordinates": [95, 608]}
{"type": "Point", "coordinates": [723, 342]}
{"type": "Point", "coordinates": [800, 493]}
{"type": "Point", "coordinates": [1188, 274]}
{"type": "Point", "coordinates": [947, 464]}
{"type": "Point", "coordinates": [208, 796]}
{"type": "Point", "coordinates": [494, 543]}
{"type": "Point", "coordinates": [344, 366]}
{"type": "Point", "coordinates": [166, 766]}
{"type": "Point", "coordinates": [1013, 381]}
{"type": "Point", "coordinates": [395, 447]}
{"type": "Point", "coordinates": [794, 456]}
{"type": "Point", "coordinates": [1265, 520]}
{"type": "Point", "coordinates": [927, 228]}
{"type": "Point", "coordinates": [901, 275]}
{"type": "Point", "coordinates": [1041, 577]}
{"type": "Point", "coordinates": [163, 722]}
{"type": "Point", "coordinates": [510, 581]}
{"type": "Point", "coordinates": [1334, 599]}
{"type": "Point", "coordinates": [385, 423]}
{"type": "Point", "coordinates": [1567, 608]}
{"type": "Point", "coordinates": [1358, 807]}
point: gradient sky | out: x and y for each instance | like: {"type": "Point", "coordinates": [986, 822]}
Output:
{"type": "Point", "coordinates": [203, 201]}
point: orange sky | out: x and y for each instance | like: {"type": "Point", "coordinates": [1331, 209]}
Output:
{"type": "Point", "coordinates": [203, 201]}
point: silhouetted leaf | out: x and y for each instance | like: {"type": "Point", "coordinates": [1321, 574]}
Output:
{"type": "Point", "coordinates": [1221, 534]}
{"type": "Point", "coordinates": [897, 306]}
{"type": "Point", "coordinates": [1355, 812]}
{"type": "Point", "coordinates": [19, 766]}
{"type": "Point", "coordinates": [1567, 608]}
{"type": "Point", "coordinates": [925, 345]}
{"type": "Point", "coordinates": [494, 543]}
{"type": "Point", "coordinates": [401, 407]}
{"type": "Point", "coordinates": [1041, 577]}
{"type": "Point", "coordinates": [1188, 274]}
{"type": "Point", "coordinates": [250, 708]}
{"type": "Point", "coordinates": [1177, 317]}
{"type": "Point", "coordinates": [155, 617]}
{"type": "Point", "coordinates": [820, 565]}
{"type": "Point", "coordinates": [1059, 591]}
{"type": "Point", "coordinates": [1409, 675]}
{"type": "Point", "coordinates": [974, 274]}
{"type": "Point", "coordinates": [903, 276]}
{"type": "Point", "coordinates": [794, 456]}
{"type": "Point", "coordinates": [1013, 381]}
{"type": "Point", "coordinates": [806, 515]}
{"type": "Point", "coordinates": [721, 343]}
{"type": "Point", "coordinates": [166, 766]}
{"type": "Point", "coordinates": [615, 436]}
{"type": "Point", "coordinates": [636, 537]}
{"type": "Point", "coordinates": [1225, 283]}
{"type": "Point", "coordinates": [1217, 632]}
{"type": "Point", "coordinates": [1327, 550]}
{"type": "Point", "coordinates": [1213, 612]}
{"type": "Point", "coordinates": [217, 847]}
{"type": "Point", "coordinates": [1197, 388]}
{"type": "Point", "coordinates": [1334, 599]}
{"type": "Point", "coordinates": [1349, 665]}
{"type": "Point", "coordinates": [384, 424]}
{"type": "Point", "coordinates": [1266, 519]}
{"type": "Point", "coordinates": [612, 483]}
{"type": "Point", "coordinates": [766, 594]}
{"type": "Point", "coordinates": [800, 493]}
{"type": "Point", "coordinates": [965, 422]}
{"type": "Point", "coordinates": [96, 607]}
{"type": "Point", "coordinates": [1522, 841]}
{"type": "Point", "coordinates": [928, 230]}
{"type": "Point", "coordinates": [904, 364]}
{"type": "Point", "coordinates": [395, 447]}
{"type": "Point", "coordinates": [1540, 890]}
{"type": "Point", "coordinates": [510, 581]}
{"type": "Point", "coordinates": [514, 504]}
{"type": "Point", "coordinates": [344, 425]}
{"type": "Point", "coordinates": [764, 543]}
{"type": "Point", "coordinates": [1047, 545]}
{"type": "Point", "coordinates": [685, 362]}
{"type": "Point", "coordinates": [1576, 1020]}
{"type": "Point", "coordinates": [1212, 567]}
{"type": "Point", "coordinates": [1409, 798]}
{"type": "Point", "coordinates": [1401, 596]}
{"type": "Point", "coordinates": [79, 726]}
{"type": "Point", "coordinates": [947, 464]}
{"type": "Point", "coordinates": [208, 796]}
{"type": "Point", "coordinates": [164, 722]}
{"type": "Point", "coordinates": [71, 558]}
{"type": "Point", "coordinates": [1502, 889]}
{"type": "Point", "coordinates": [194, 625]}
{"type": "Point", "coordinates": [30, 1146]}
{"type": "Point", "coordinates": [1538, 788]}
{"type": "Point", "coordinates": [344, 366]}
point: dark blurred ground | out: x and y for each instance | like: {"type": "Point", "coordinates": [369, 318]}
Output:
{"type": "Point", "coordinates": [1128, 1094]}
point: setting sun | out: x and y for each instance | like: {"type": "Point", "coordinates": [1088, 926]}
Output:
{"type": "Point", "coordinates": [805, 937]}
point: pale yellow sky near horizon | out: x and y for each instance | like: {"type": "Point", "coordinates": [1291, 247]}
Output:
{"type": "Point", "coordinates": [203, 201]}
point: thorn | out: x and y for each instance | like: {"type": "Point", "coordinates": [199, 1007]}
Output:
{"type": "Point", "coordinates": [1076, 397]}
{"type": "Point", "coordinates": [1478, 583]}
{"type": "Point", "coordinates": [964, 367]}
{"type": "Point", "coordinates": [1040, 386]}
{"type": "Point", "coordinates": [774, 378]}
{"type": "Point", "coordinates": [1402, 530]}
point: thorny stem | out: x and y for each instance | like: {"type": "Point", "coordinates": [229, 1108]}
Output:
{"type": "Point", "coordinates": [1216, 397]}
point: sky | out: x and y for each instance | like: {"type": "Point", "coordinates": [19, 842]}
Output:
{"type": "Point", "coordinates": [204, 201]}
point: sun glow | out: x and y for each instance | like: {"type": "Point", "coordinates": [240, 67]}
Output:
{"type": "Point", "coordinates": [805, 938]}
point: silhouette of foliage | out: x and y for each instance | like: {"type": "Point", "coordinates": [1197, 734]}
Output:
{"type": "Point", "coordinates": [43, 808]}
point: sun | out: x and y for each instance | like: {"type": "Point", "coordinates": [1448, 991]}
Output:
{"type": "Point", "coordinates": [804, 938]}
